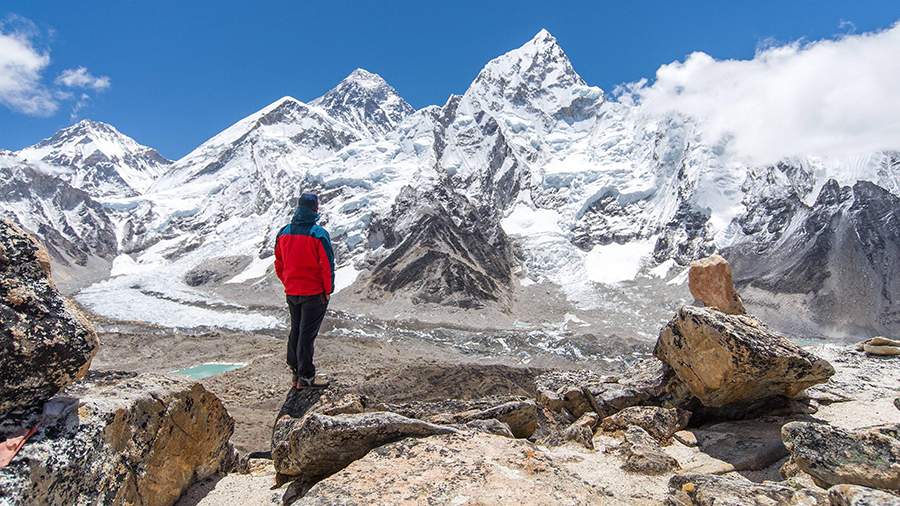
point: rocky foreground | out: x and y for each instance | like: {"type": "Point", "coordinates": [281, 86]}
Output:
{"type": "Point", "coordinates": [726, 412]}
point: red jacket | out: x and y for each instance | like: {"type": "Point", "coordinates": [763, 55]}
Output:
{"type": "Point", "coordinates": [304, 259]}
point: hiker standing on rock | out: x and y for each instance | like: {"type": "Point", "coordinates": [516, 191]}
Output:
{"type": "Point", "coordinates": [304, 262]}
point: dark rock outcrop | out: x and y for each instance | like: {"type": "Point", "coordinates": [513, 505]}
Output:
{"type": "Point", "coordinates": [45, 343]}
{"type": "Point", "coordinates": [841, 249]}
{"type": "Point", "coordinates": [441, 249]}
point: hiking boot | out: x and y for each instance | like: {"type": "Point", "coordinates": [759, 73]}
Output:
{"type": "Point", "coordinates": [311, 383]}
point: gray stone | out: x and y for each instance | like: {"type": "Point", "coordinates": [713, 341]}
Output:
{"type": "Point", "coordinates": [643, 453]}
{"type": "Point", "coordinates": [661, 423]}
{"type": "Point", "coordinates": [45, 343]}
{"type": "Point", "coordinates": [581, 431]}
{"type": "Point", "coordinates": [834, 456]}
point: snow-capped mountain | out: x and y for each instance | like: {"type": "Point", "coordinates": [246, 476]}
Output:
{"type": "Point", "coordinates": [366, 103]}
{"type": "Point", "coordinates": [530, 176]}
{"type": "Point", "coordinates": [78, 234]}
{"type": "Point", "coordinates": [100, 160]}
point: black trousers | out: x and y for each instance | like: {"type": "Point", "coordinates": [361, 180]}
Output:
{"type": "Point", "coordinates": [307, 313]}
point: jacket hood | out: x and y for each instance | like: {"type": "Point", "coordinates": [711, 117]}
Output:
{"type": "Point", "coordinates": [304, 216]}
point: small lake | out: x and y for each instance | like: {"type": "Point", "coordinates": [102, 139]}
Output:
{"type": "Point", "coordinates": [208, 369]}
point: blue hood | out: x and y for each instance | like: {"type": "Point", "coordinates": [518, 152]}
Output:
{"type": "Point", "coordinates": [304, 216]}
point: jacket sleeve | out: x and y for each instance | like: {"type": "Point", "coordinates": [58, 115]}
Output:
{"type": "Point", "coordinates": [326, 262]}
{"type": "Point", "coordinates": [279, 260]}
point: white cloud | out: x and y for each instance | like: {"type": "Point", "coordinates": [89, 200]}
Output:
{"type": "Point", "coordinates": [21, 66]}
{"type": "Point", "coordinates": [80, 78]}
{"type": "Point", "coordinates": [830, 97]}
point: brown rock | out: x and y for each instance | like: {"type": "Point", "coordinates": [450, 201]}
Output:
{"type": "Point", "coordinates": [318, 445]}
{"type": "Point", "coordinates": [520, 416]}
{"type": "Point", "coordinates": [710, 282]}
{"type": "Point", "coordinates": [727, 359]}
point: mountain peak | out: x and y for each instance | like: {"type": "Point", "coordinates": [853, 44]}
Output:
{"type": "Point", "coordinates": [366, 79]}
{"type": "Point", "coordinates": [537, 75]}
{"type": "Point", "coordinates": [543, 38]}
{"type": "Point", "coordinates": [366, 103]}
{"type": "Point", "coordinates": [100, 159]}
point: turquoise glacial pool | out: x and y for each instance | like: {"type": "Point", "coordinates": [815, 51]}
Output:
{"type": "Point", "coordinates": [208, 369]}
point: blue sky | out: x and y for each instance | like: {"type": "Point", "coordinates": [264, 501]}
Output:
{"type": "Point", "coordinates": [179, 71]}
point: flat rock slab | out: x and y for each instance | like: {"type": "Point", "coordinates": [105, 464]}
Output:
{"type": "Point", "coordinates": [456, 469]}
{"type": "Point", "coordinates": [319, 445]}
{"type": "Point", "coordinates": [729, 359]}
{"type": "Point", "coordinates": [747, 445]}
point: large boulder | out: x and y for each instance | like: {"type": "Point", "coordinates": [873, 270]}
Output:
{"type": "Point", "coordinates": [119, 438]}
{"type": "Point", "coordinates": [319, 445]}
{"type": "Point", "coordinates": [456, 469]}
{"type": "Point", "coordinates": [45, 343]}
{"type": "Point", "coordinates": [711, 283]}
{"type": "Point", "coordinates": [833, 456]}
{"type": "Point", "coordinates": [728, 359]}
{"type": "Point", "coordinates": [713, 490]}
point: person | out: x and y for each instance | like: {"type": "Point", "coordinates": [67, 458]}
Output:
{"type": "Point", "coordinates": [304, 262]}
